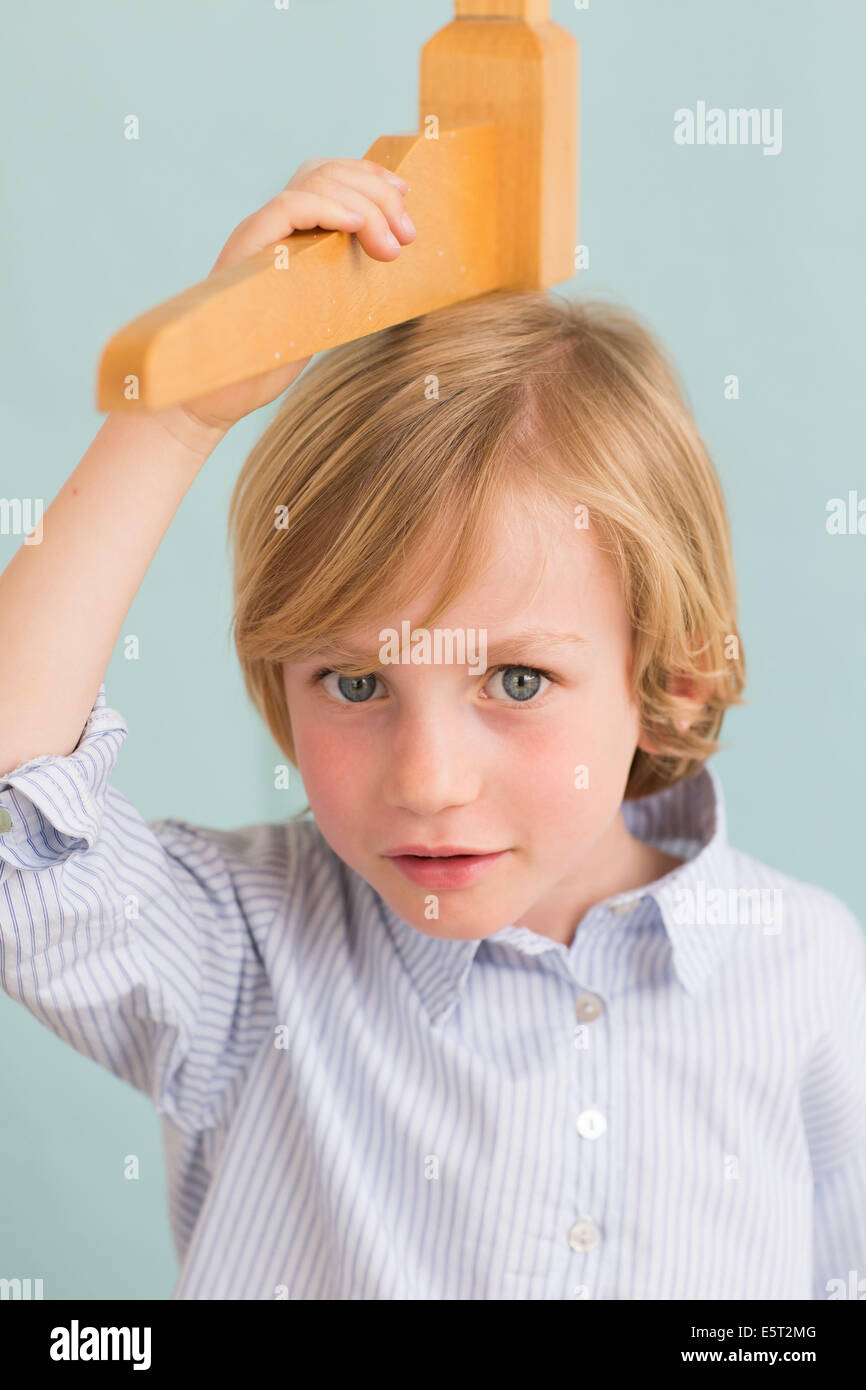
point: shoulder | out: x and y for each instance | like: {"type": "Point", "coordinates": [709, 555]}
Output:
{"type": "Point", "coordinates": [270, 868]}
{"type": "Point", "coordinates": [267, 844]}
{"type": "Point", "coordinates": [814, 923]}
{"type": "Point", "coordinates": [257, 848]}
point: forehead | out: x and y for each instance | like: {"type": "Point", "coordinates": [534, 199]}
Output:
{"type": "Point", "coordinates": [544, 575]}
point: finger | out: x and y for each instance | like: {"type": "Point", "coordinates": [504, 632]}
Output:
{"type": "Point", "coordinates": [373, 187]}
{"type": "Point", "coordinates": [339, 167]}
{"type": "Point", "coordinates": [386, 222]}
{"type": "Point", "coordinates": [286, 212]}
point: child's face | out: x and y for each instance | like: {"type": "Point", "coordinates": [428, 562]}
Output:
{"type": "Point", "coordinates": [439, 755]}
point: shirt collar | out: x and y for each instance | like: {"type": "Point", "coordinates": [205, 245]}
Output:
{"type": "Point", "coordinates": [687, 820]}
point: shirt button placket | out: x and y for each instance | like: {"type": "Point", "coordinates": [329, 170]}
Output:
{"type": "Point", "coordinates": [584, 1235]}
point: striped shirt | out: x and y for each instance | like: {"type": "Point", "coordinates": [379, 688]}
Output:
{"type": "Point", "coordinates": [672, 1107]}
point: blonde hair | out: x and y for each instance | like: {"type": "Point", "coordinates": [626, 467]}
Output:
{"type": "Point", "coordinates": [411, 438]}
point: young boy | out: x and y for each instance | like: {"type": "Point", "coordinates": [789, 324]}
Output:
{"type": "Point", "coordinates": [509, 1018]}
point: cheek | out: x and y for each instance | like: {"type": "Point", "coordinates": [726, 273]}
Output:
{"type": "Point", "coordinates": [571, 774]}
{"type": "Point", "coordinates": [332, 779]}
{"type": "Point", "coordinates": [614, 730]}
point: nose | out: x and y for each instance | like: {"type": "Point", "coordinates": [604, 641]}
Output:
{"type": "Point", "coordinates": [431, 765]}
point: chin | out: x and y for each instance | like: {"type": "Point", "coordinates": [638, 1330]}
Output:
{"type": "Point", "coordinates": [457, 921]}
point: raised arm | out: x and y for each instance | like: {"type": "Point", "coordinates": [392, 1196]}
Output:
{"type": "Point", "coordinates": [64, 599]}
{"type": "Point", "coordinates": [127, 938]}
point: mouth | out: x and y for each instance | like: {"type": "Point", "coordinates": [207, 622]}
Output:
{"type": "Point", "coordinates": [446, 867]}
{"type": "Point", "coordinates": [438, 852]}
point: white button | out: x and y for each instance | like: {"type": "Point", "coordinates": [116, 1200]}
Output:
{"type": "Point", "coordinates": [590, 1124]}
{"type": "Point", "coordinates": [588, 1006]}
{"type": "Point", "coordinates": [5, 820]}
{"type": "Point", "coordinates": [584, 1235]}
{"type": "Point", "coordinates": [624, 905]}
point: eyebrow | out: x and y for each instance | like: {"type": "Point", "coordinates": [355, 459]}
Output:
{"type": "Point", "coordinates": [521, 642]}
{"type": "Point", "coordinates": [515, 644]}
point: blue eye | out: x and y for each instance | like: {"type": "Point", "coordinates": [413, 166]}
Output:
{"type": "Point", "coordinates": [520, 683]}
{"type": "Point", "coordinates": [357, 690]}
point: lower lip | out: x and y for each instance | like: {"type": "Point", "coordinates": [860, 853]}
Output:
{"type": "Point", "coordinates": [450, 871]}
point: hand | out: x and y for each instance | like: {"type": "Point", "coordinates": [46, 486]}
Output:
{"type": "Point", "coordinates": [348, 195]}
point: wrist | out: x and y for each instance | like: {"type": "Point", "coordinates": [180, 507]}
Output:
{"type": "Point", "coordinates": [193, 433]}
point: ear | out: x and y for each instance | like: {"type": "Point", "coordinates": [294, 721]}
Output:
{"type": "Point", "coordinates": [687, 688]}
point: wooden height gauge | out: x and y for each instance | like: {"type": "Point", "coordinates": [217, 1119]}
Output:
{"type": "Point", "coordinates": [492, 172]}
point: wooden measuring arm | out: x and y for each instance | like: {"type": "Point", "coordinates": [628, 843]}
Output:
{"type": "Point", "coordinates": [492, 178]}
{"type": "Point", "coordinates": [317, 289]}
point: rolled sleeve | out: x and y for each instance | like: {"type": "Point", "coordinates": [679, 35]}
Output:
{"type": "Point", "coordinates": [53, 805]}
{"type": "Point", "coordinates": [125, 937]}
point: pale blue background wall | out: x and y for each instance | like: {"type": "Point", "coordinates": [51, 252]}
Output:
{"type": "Point", "coordinates": [744, 263]}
